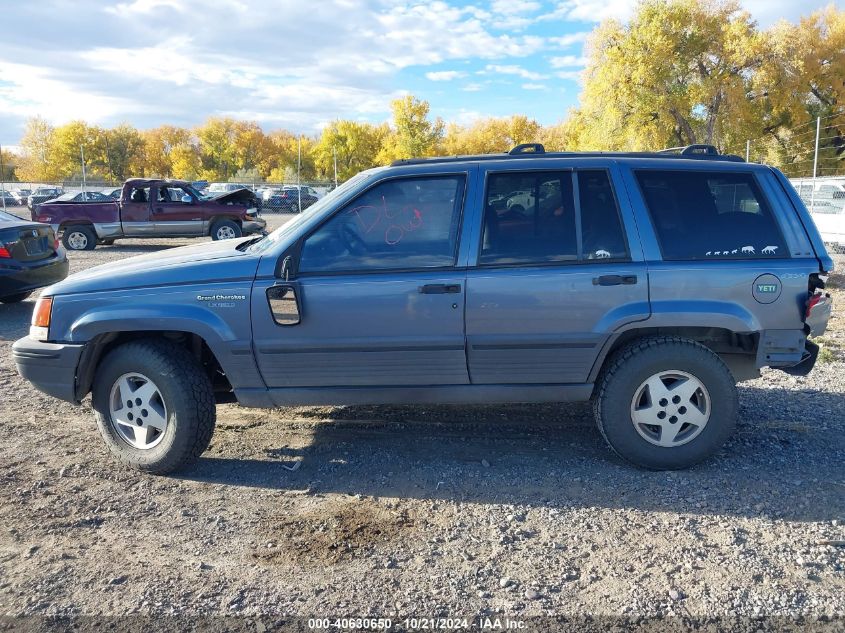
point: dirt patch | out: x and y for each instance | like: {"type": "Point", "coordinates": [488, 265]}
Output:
{"type": "Point", "coordinates": [335, 533]}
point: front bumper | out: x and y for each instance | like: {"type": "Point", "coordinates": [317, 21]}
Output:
{"type": "Point", "coordinates": [17, 277]}
{"type": "Point", "coordinates": [256, 225]}
{"type": "Point", "coordinates": [50, 367]}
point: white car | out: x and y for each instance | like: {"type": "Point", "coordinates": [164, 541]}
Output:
{"type": "Point", "coordinates": [826, 203]}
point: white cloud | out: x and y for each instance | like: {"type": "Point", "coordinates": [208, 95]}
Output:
{"type": "Point", "coordinates": [144, 6]}
{"type": "Point", "coordinates": [445, 75]}
{"type": "Point", "coordinates": [125, 66]}
{"type": "Point", "coordinates": [571, 75]}
{"type": "Point", "coordinates": [570, 39]}
{"type": "Point", "coordinates": [530, 86]}
{"type": "Point", "coordinates": [473, 87]}
{"type": "Point", "coordinates": [592, 10]}
{"type": "Point", "coordinates": [568, 61]}
{"type": "Point", "coordinates": [512, 69]}
{"type": "Point", "coordinates": [511, 7]}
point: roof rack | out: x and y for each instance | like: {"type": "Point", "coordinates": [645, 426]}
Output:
{"type": "Point", "coordinates": [536, 150]}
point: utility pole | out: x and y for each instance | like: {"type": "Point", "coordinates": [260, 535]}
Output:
{"type": "Point", "coordinates": [2, 179]}
{"type": "Point", "coordinates": [82, 154]}
{"type": "Point", "coordinates": [815, 164]}
{"type": "Point", "coordinates": [334, 154]}
{"type": "Point", "coordinates": [299, 174]}
{"type": "Point", "coordinates": [748, 151]}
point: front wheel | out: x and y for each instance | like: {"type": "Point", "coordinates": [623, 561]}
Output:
{"type": "Point", "coordinates": [225, 230]}
{"type": "Point", "coordinates": [665, 403]}
{"type": "Point", "coordinates": [154, 405]}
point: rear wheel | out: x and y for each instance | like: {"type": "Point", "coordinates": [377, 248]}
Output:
{"type": "Point", "coordinates": [665, 403]}
{"type": "Point", "coordinates": [79, 238]}
{"type": "Point", "coordinates": [225, 230]}
{"type": "Point", "coordinates": [15, 298]}
{"type": "Point", "coordinates": [154, 406]}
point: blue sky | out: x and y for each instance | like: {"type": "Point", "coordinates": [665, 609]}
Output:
{"type": "Point", "coordinates": [298, 64]}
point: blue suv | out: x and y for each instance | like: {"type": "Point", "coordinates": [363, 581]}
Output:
{"type": "Point", "coordinates": [649, 283]}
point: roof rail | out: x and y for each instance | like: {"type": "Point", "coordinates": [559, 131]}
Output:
{"type": "Point", "coordinates": [538, 152]}
{"type": "Point", "coordinates": [698, 148]}
{"type": "Point", "coordinates": [528, 148]}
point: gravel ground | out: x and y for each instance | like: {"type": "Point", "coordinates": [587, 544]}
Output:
{"type": "Point", "coordinates": [428, 511]}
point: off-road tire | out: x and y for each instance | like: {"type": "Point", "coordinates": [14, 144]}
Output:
{"type": "Point", "coordinates": [186, 391]}
{"type": "Point", "coordinates": [220, 224]}
{"type": "Point", "coordinates": [625, 371]}
{"type": "Point", "coordinates": [87, 231]}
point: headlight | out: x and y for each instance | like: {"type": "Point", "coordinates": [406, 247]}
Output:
{"type": "Point", "coordinates": [251, 211]}
{"type": "Point", "coordinates": [40, 328]}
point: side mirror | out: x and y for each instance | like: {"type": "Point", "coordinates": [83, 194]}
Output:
{"type": "Point", "coordinates": [283, 300]}
{"type": "Point", "coordinates": [186, 199]}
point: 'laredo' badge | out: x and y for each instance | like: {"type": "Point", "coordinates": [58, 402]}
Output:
{"type": "Point", "coordinates": [766, 288]}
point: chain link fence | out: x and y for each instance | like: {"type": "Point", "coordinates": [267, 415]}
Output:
{"type": "Point", "coordinates": [271, 197]}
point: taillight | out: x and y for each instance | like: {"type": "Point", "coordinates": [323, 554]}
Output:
{"type": "Point", "coordinates": [4, 253]}
{"type": "Point", "coordinates": [55, 243]}
{"type": "Point", "coordinates": [812, 302]}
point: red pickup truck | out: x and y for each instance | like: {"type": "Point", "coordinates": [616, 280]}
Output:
{"type": "Point", "coordinates": [151, 208]}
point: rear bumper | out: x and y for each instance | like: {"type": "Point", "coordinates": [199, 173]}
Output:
{"type": "Point", "coordinates": [50, 367]}
{"type": "Point", "coordinates": [21, 277]}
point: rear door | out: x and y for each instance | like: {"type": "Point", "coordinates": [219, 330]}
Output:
{"type": "Point", "coordinates": [556, 272]}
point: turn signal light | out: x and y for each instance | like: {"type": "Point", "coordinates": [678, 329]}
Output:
{"type": "Point", "coordinates": [43, 311]}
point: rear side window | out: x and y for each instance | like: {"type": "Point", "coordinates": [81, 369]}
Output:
{"type": "Point", "coordinates": [706, 215]}
{"type": "Point", "coordinates": [534, 218]}
{"type": "Point", "coordinates": [529, 217]}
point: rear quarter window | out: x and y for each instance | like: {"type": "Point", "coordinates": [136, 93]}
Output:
{"type": "Point", "coordinates": [710, 215]}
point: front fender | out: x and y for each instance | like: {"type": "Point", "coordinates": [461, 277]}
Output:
{"type": "Point", "coordinates": [225, 330]}
{"type": "Point", "coordinates": [181, 318]}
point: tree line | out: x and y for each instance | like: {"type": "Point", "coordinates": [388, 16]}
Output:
{"type": "Point", "coordinates": [679, 72]}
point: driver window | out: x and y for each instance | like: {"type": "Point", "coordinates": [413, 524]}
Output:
{"type": "Point", "coordinates": [402, 223]}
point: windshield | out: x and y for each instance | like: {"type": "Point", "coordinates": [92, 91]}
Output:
{"type": "Point", "coordinates": [9, 216]}
{"type": "Point", "coordinates": [317, 207]}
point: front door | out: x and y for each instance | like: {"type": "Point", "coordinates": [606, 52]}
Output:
{"type": "Point", "coordinates": [171, 216]}
{"type": "Point", "coordinates": [381, 294]}
{"type": "Point", "coordinates": [554, 277]}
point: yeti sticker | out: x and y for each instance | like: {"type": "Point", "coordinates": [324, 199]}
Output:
{"type": "Point", "coordinates": [601, 254]}
{"type": "Point", "coordinates": [748, 250]}
{"type": "Point", "coordinates": [770, 250]}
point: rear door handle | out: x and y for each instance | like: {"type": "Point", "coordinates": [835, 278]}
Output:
{"type": "Point", "coordinates": [440, 289]}
{"type": "Point", "coordinates": [615, 280]}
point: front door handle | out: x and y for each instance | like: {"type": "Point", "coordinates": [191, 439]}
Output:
{"type": "Point", "coordinates": [615, 280]}
{"type": "Point", "coordinates": [440, 289]}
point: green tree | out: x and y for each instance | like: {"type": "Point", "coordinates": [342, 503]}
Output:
{"type": "Point", "coordinates": [413, 133]}
{"type": "Point", "coordinates": [492, 135]}
{"type": "Point", "coordinates": [356, 146]}
{"type": "Point", "coordinates": [36, 163]}
{"type": "Point", "coordinates": [678, 73]}
{"type": "Point", "coordinates": [124, 152]}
